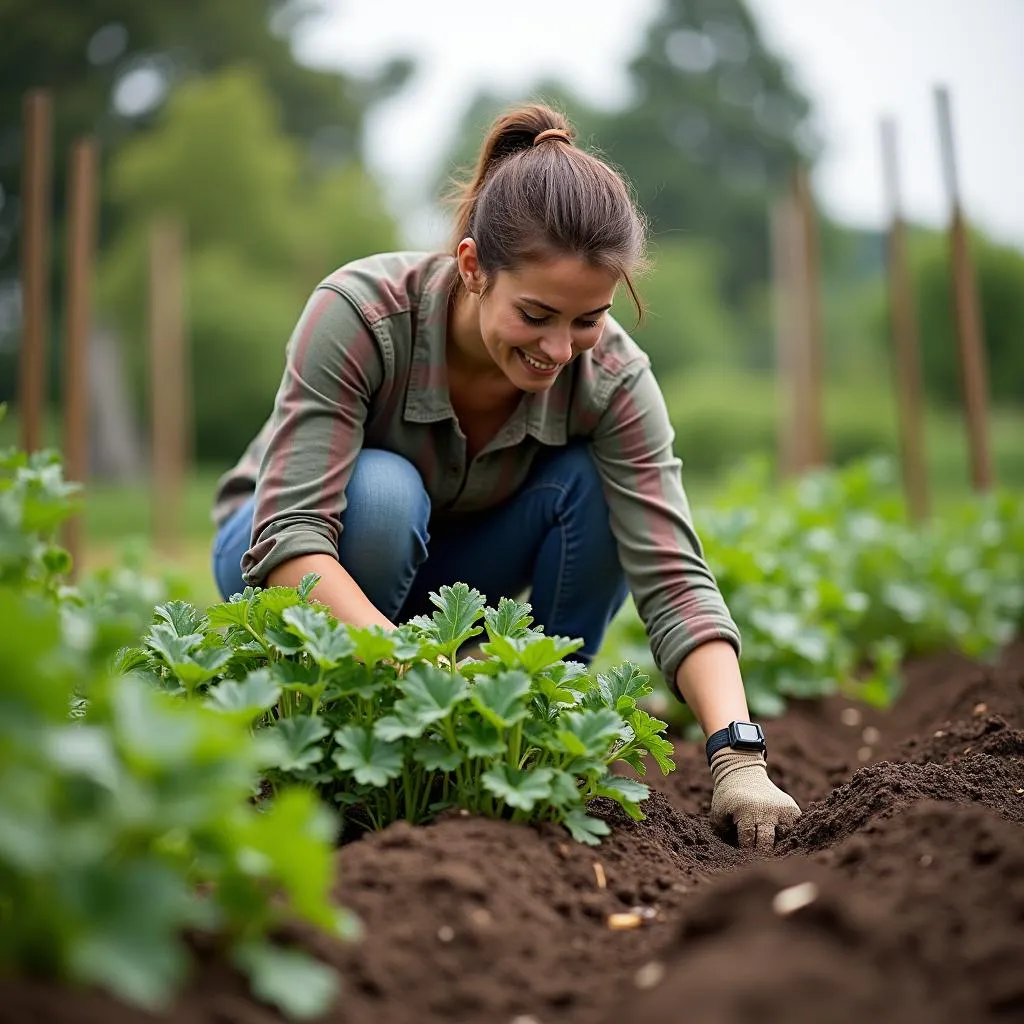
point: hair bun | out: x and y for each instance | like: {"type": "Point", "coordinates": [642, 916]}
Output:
{"type": "Point", "coordinates": [558, 134]}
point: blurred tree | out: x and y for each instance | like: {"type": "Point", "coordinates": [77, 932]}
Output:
{"type": "Point", "coordinates": [714, 126]}
{"type": "Point", "coordinates": [111, 64]}
{"type": "Point", "coordinates": [261, 230]}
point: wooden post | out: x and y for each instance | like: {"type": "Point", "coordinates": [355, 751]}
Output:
{"type": "Point", "coordinates": [904, 334]}
{"type": "Point", "coordinates": [81, 245]}
{"type": "Point", "coordinates": [36, 202]}
{"type": "Point", "coordinates": [167, 381]}
{"type": "Point", "coordinates": [789, 278]}
{"type": "Point", "coordinates": [810, 261]}
{"type": "Point", "coordinates": [970, 335]}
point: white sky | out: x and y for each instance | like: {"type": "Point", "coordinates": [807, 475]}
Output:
{"type": "Point", "coordinates": [858, 60]}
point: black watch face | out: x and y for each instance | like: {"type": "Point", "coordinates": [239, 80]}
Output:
{"type": "Point", "coordinates": [747, 733]}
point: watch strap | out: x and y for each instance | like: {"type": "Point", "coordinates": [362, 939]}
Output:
{"type": "Point", "coordinates": [730, 737]}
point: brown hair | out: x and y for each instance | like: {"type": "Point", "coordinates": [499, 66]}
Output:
{"type": "Point", "coordinates": [534, 194]}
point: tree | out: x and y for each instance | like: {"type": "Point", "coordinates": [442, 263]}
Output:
{"type": "Point", "coordinates": [112, 64]}
{"type": "Point", "coordinates": [261, 230]}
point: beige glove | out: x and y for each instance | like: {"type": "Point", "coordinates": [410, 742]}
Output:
{"type": "Point", "coordinates": [745, 795]}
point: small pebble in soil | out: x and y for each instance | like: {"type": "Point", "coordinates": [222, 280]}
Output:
{"type": "Point", "coordinates": [851, 717]}
{"type": "Point", "coordinates": [980, 708]}
{"type": "Point", "coordinates": [623, 922]}
{"type": "Point", "coordinates": [938, 734]}
{"type": "Point", "coordinates": [480, 917]}
{"type": "Point", "coordinates": [864, 754]}
{"type": "Point", "coordinates": [525, 1018]}
{"type": "Point", "coordinates": [649, 975]}
{"type": "Point", "coordinates": [926, 859]}
{"type": "Point", "coordinates": [871, 736]}
{"type": "Point", "coordinates": [599, 875]}
{"type": "Point", "coordinates": [645, 913]}
{"type": "Point", "coordinates": [796, 897]}
{"type": "Point", "coordinates": [446, 933]}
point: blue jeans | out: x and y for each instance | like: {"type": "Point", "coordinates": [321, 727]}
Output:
{"type": "Point", "coordinates": [552, 537]}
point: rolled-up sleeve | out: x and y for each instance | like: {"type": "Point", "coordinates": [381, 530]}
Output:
{"type": "Point", "coordinates": [675, 592]}
{"type": "Point", "coordinates": [333, 367]}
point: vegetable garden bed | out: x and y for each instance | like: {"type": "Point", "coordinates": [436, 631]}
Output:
{"type": "Point", "coordinates": [903, 892]}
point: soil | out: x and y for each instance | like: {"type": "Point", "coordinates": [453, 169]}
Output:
{"type": "Point", "coordinates": [912, 839]}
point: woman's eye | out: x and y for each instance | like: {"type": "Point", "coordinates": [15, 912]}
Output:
{"type": "Point", "coordinates": [588, 323]}
{"type": "Point", "coordinates": [533, 320]}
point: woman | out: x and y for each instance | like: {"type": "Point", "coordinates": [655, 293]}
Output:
{"type": "Point", "coordinates": [479, 417]}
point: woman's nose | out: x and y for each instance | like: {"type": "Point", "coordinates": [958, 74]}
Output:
{"type": "Point", "coordinates": [557, 346]}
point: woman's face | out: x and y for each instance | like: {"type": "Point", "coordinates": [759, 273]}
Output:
{"type": "Point", "coordinates": [535, 320]}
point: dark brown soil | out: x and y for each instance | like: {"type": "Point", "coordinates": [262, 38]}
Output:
{"type": "Point", "coordinates": [912, 834]}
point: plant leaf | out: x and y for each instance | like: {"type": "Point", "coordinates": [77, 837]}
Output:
{"type": "Point", "coordinates": [327, 643]}
{"type": "Point", "coordinates": [297, 741]}
{"type": "Point", "coordinates": [585, 829]}
{"type": "Point", "coordinates": [510, 619]}
{"type": "Point", "coordinates": [293, 981]}
{"type": "Point", "coordinates": [251, 697]}
{"type": "Point", "coordinates": [623, 686]}
{"type": "Point", "coordinates": [372, 761]}
{"type": "Point", "coordinates": [371, 644]}
{"type": "Point", "coordinates": [452, 624]}
{"type": "Point", "coordinates": [517, 788]}
{"type": "Point", "coordinates": [628, 793]}
{"type": "Point", "coordinates": [480, 738]}
{"type": "Point", "coordinates": [436, 757]}
{"type": "Point", "coordinates": [501, 698]}
{"type": "Point", "coordinates": [588, 733]}
{"type": "Point", "coordinates": [182, 617]}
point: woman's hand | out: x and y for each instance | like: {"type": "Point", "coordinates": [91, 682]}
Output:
{"type": "Point", "coordinates": [709, 681]}
{"type": "Point", "coordinates": [746, 796]}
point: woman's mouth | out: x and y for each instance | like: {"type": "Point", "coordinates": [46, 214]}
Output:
{"type": "Point", "coordinates": [541, 367]}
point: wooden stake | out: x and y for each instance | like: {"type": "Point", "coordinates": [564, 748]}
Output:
{"type": "Point", "coordinates": [970, 335]}
{"type": "Point", "coordinates": [82, 199]}
{"type": "Point", "coordinates": [36, 202]}
{"type": "Point", "coordinates": [792, 343]}
{"type": "Point", "coordinates": [810, 258]}
{"type": "Point", "coordinates": [167, 382]}
{"type": "Point", "coordinates": [904, 335]}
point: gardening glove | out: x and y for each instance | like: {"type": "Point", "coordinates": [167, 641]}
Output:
{"type": "Point", "coordinates": [744, 794]}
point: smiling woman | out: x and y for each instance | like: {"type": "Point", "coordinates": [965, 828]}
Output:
{"type": "Point", "coordinates": [477, 416]}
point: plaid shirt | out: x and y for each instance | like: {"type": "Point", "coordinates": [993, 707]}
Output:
{"type": "Point", "coordinates": [366, 366]}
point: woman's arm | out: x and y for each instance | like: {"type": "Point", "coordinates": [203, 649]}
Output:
{"type": "Point", "coordinates": [709, 680]}
{"type": "Point", "coordinates": [336, 589]}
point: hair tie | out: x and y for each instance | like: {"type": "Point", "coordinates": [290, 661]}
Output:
{"type": "Point", "coordinates": [559, 134]}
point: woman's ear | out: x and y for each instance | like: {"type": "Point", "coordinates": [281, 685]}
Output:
{"type": "Point", "coordinates": [469, 266]}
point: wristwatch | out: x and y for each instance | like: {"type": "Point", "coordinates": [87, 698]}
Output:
{"type": "Point", "coordinates": [739, 736]}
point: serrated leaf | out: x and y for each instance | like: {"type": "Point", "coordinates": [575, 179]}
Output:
{"type": "Point", "coordinates": [458, 608]}
{"type": "Point", "coordinates": [298, 985]}
{"type": "Point", "coordinates": [229, 613]}
{"type": "Point", "coordinates": [628, 793]}
{"type": "Point", "coordinates": [647, 734]}
{"type": "Point", "coordinates": [371, 644]}
{"type": "Point", "coordinates": [480, 738]}
{"type": "Point", "coordinates": [128, 659]}
{"type": "Point", "coordinates": [182, 617]}
{"type": "Point", "coordinates": [353, 678]}
{"type": "Point", "coordinates": [623, 686]}
{"type": "Point", "coordinates": [510, 619]}
{"type": "Point", "coordinates": [283, 641]}
{"type": "Point", "coordinates": [503, 649]}
{"type": "Point", "coordinates": [436, 757]}
{"type": "Point", "coordinates": [171, 646]}
{"type": "Point", "coordinates": [501, 699]}
{"type": "Point", "coordinates": [327, 643]}
{"type": "Point", "coordinates": [371, 760]}
{"type": "Point", "coordinates": [565, 790]}
{"type": "Point", "coordinates": [307, 584]}
{"type": "Point", "coordinates": [298, 740]}
{"type": "Point", "coordinates": [522, 789]}
{"type": "Point", "coordinates": [588, 733]}
{"type": "Point", "coordinates": [252, 696]}
{"type": "Point", "coordinates": [585, 829]}
{"type": "Point", "coordinates": [539, 653]}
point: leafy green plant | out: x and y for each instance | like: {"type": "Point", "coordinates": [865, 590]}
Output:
{"type": "Point", "coordinates": [833, 588]}
{"type": "Point", "coordinates": [387, 724]}
{"type": "Point", "coordinates": [126, 816]}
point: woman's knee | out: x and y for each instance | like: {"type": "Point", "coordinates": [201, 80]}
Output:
{"type": "Point", "coordinates": [387, 510]}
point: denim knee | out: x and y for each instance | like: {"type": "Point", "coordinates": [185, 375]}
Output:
{"type": "Point", "coordinates": [384, 527]}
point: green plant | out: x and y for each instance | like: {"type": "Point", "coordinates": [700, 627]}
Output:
{"type": "Point", "coordinates": [833, 588]}
{"type": "Point", "coordinates": [126, 817]}
{"type": "Point", "coordinates": [388, 725]}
